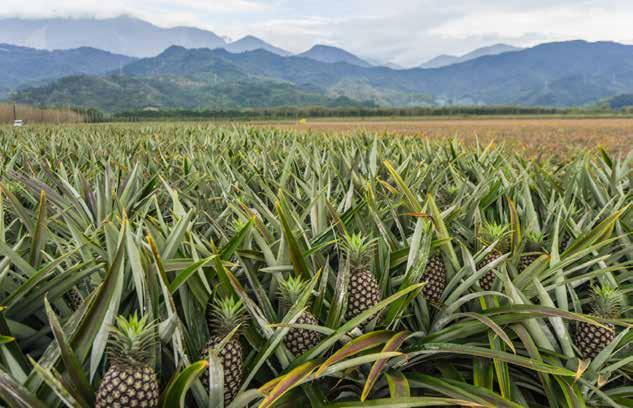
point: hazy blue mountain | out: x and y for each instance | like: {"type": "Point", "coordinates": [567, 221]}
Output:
{"type": "Point", "coordinates": [20, 66]}
{"type": "Point", "coordinates": [555, 74]}
{"type": "Point", "coordinates": [331, 55]}
{"type": "Point", "coordinates": [446, 60]}
{"type": "Point", "coordinates": [250, 43]}
{"type": "Point", "coordinates": [121, 35]}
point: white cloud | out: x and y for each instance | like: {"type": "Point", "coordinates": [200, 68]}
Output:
{"type": "Point", "coordinates": [555, 21]}
{"type": "Point", "coordinates": [154, 9]}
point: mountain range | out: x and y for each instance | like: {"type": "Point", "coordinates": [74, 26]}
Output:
{"type": "Point", "coordinates": [572, 73]}
{"type": "Point", "coordinates": [208, 71]}
{"type": "Point", "coordinates": [446, 60]}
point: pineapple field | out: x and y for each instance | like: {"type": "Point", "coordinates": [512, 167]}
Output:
{"type": "Point", "coordinates": [193, 265]}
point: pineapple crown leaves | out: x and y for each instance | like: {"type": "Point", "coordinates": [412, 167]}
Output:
{"type": "Point", "coordinates": [359, 251]}
{"type": "Point", "coordinates": [492, 232]}
{"type": "Point", "coordinates": [237, 224]}
{"type": "Point", "coordinates": [453, 189]}
{"type": "Point", "coordinates": [534, 241]}
{"type": "Point", "coordinates": [606, 302]}
{"type": "Point", "coordinates": [226, 314]}
{"type": "Point", "coordinates": [291, 289]}
{"type": "Point", "coordinates": [132, 341]}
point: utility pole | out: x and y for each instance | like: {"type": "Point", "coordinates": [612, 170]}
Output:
{"type": "Point", "coordinates": [14, 113]}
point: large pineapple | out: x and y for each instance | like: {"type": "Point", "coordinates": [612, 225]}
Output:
{"type": "Point", "coordinates": [533, 246]}
{"type": "Point", "coordinates": [298, 341]}
{"type": "Point", "coordinates": [131, 380]}
{"type": "Point", "coordinates": [590, 339]}
{"type": "Point", "coordinates": [364, 291]}
{"type": "Point", "coordinates": [435, 278]}
{"type": "Point", "coordinates": [223, 316]}
{"type": "Point", "coordinates": [492, 233]}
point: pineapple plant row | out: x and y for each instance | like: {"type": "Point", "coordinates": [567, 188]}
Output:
{"type": "Point", "coordinates": [165, 265]}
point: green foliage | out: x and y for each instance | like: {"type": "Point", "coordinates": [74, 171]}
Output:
{"type": "Point", "coordinates": [147, 94]}
{"type": "Point", "coordinates": [161, 220]}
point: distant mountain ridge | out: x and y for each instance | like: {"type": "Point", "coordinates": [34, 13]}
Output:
{"type": "Point", "coordinates": [20, 66]}
{"type": "Point", "coordinates": [251, 43]}
{"type": "Point", "coordinates": [332, 55]}
{"type": "Point", "coordinates": [446, 60]}
{"type": "Point", "coordinates": [121, 35]}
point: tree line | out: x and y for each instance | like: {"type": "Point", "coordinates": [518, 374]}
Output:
{"type": "Point", "coordinates": [338, 112]}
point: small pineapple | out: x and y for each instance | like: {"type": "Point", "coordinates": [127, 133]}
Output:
{"type": "Point", "coordinates": [446, 197]}
{"type": "Point", "coordinates": [492, 233]}
{"type": "Point", "coordinates": [534, 244]}
{"type": "Point", "coordinates": [131, 380]}
{"type": "Point", "coordinates": [564, 243]}
{"type": "Point", "coordinates": [74, 299]}
{"type": "Point", "coordinates": [298, 341]}
{"type": "Point", "coordinates": [435, 278]}
{"type": "Point", "coordinates": [364, 291]}
{"type": "Point", "coordinates": [222, 317]}
{"type": "Point", "coordinates": [590, 339]}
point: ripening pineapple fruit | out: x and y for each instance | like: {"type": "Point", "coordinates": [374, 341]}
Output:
{"type": "Point", "coordinates": [564, 243]}
{"type": "Point", "coordinates": [74, 299]}
{"type": "Point", "coordinates": [223, 316]}
{"type": "Point", "coordinates": [435, 278]}
{"type": "Point", "coordinates": [492, 233]}
{"type": "Point", "coordinates": [298, 341]}
{"type": "Point", "coordinates": [131, 380]}
{"type": "Point", "coordinates": [363, 291]}
{"type": "Point", "coordinates": [446, 196]}
{"type": "Point", "coordinates": [534, 244]}
{"type": "Point", "coordinates": [590, 339]}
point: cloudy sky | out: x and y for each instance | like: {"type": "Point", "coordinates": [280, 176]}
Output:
{"type": "Point", "coordinates": [406, 32]}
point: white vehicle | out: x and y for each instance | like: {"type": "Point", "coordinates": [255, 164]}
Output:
{"type": "Point", "coordinates": [18, 123]}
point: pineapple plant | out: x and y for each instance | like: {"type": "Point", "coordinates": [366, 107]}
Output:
{"type": "Point", "coordinates": [435, 277]}
{"type": "Point", "coordinates": [492, 232]}
{"type": "Point", "coordinates": [364, 291]}
{"type": "Point", "coordinates": [298, 341]}
{"type": "Point", "coordinates": [131, 380]}
{"type": "Point", "coordinates": [223, 316]}
{"type": "Point", "coordinates": [606, 303]}
{"type": "Point", "coordinates": [533, 246]}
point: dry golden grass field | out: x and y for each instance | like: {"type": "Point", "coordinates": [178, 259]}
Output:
{"type": "Point", "coordinates": [553, 135]}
